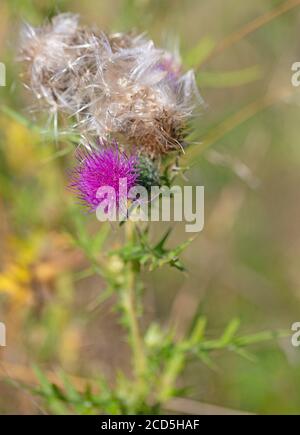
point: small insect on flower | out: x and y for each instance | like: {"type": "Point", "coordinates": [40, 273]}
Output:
{"type": "Point", "coordinates": [104, 167]}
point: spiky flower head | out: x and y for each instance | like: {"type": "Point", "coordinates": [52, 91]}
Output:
{"type": "Point", "coordinates": [107, 166]}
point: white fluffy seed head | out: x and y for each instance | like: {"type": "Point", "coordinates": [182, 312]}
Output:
{"type": "Point", "coordinates": [115, 86]}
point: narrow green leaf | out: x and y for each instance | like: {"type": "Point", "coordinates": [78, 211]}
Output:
{"type": "Point", "coordinates": [205, 358]}
{"type": "Point", "coordinates": [45, 385]}
{"type": "Point", "coordinates": [160, 245]}
{"type": "Point", "coordinates": [260, 337]}
{"type": "Point", "coordinates": [198, 331]}
{"type": "Point", "coordinates": [100, 238]}
{"type": "Point", "coordinates": [246, 354]}
{"type": "Point", "coordinates": [228, 79]}
{"type": "Point", "coordinates": [71, 392]}
{"type": "Point", "coordinates": [230, 331]}
{"type": "Point", "coordinates": [198, 54]}
{"type": "Point", "coordinates": [19, 118]}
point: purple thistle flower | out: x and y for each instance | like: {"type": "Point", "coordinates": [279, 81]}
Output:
{"type": "Point", "coordinates": [103, 168]}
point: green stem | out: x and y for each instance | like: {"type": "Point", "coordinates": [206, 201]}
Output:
{"type": "Point", "coordinates": [169, 377]}
{"type": "Point", "coordinates": [130, 304]}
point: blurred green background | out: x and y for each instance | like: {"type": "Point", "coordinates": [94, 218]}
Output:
{"type": "Point", "coordinates": [244, 264]}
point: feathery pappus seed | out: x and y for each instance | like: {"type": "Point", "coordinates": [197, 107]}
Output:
{"type": "Point", "coordinates": [115, 86]}
{"type": "Point", "coordinates": [135, 98]}
{"type": "Point", "coordinates": [59, 59]}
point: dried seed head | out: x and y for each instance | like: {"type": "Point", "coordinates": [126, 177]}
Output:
{"type": "Point", "coordinates": [47, 52]}
{"type": "Point", "coordinates": [116, 86]}
{"type": "Point", "coordinates": [138, 98]}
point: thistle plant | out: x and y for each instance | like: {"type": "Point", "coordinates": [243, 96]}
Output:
{"type": "Point", "coordinates": [132, 104]}
{"type": "Point", "coordinates": [104, 167]}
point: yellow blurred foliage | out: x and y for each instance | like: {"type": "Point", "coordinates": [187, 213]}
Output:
{"type": "Point", "coordinates": [71, 342]}
{"type": "Point", "coordinates": [41, 258]}
{"type": "Point", "coordinates": [15, 279]}
{"type": "Point", "coordinates": [20, 146]}
{"type": "Point", "coordinates": [15, 282]}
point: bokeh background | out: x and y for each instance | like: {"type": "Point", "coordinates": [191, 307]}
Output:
{"type": "Point", "coordinates": [244, 264]}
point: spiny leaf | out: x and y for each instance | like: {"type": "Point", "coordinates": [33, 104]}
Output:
{"type": "Point", "coordinates": [260, 337]}
{"type": "Point", "coordinates": [45, 385]}
{"type": "Point", "coordinates": [230, 331]}
{"type": "Point", "coordinates": [70, 390]}
{"type": "Point", "coordinates": [246, 354]}
{"type": "Point", "coordinates": [198, 331]}
{"type": "Point", "coordinates": [160, 245]}
{"type": "Point", "coordinates": [206, 359]}
{"type": "Point", "coordinates": [156, 256]}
